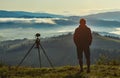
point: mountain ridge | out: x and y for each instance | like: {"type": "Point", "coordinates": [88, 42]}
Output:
{"type": "Point", "coordinates": [101, 15]}
{"type": "Point", "coordinates": [21, 14]}
{"type": "Point", "coordinates": [106, 19]}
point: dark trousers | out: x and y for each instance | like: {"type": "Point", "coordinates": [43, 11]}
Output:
{"type": "Point", "coordinates": [86, 51]}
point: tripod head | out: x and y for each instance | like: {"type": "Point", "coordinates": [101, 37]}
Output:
{"type": "Point", "coordinates": [37, 35]}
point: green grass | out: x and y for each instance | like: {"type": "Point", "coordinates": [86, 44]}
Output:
{"type": "Point", "coordinates": [97, 71]}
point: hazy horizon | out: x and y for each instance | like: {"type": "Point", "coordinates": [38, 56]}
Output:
{"type": "Point", "coordinates": [64, 7]}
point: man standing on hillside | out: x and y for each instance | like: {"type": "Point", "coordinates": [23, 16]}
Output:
{"type": "Point", "coordinates": [82, 39]}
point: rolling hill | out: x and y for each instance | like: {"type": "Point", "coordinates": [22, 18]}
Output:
{"type": "Point", "coordinates": [61, 50]}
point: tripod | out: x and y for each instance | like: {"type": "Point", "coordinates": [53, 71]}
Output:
{"type": "Point", "coordinates": [38, 46]}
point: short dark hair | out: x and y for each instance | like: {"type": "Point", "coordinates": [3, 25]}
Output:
{"type": "Point", "coordinates": [82, 21]}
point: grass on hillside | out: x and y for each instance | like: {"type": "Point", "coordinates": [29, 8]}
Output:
{"type": "Point", "coordinates": [97, 71]}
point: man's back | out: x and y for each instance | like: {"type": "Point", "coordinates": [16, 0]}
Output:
{"type": "Point", "coordinates": [82, 36]}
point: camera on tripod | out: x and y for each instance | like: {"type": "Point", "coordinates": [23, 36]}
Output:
{"type": "Point", "coordinates": [38, 46]}
{"type": "Point", "coordinates": [37, 34]}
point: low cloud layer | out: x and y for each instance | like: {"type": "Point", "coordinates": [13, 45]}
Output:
{"type": "Point", "coordinates": [117, 31]}
{"type": "Point", "coordinates": [20, 33]}
{"type": "Point", "coordinates": [30, 20]}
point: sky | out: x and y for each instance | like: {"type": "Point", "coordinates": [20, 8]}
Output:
{"type": "Point", "coordinates": [70, 7]}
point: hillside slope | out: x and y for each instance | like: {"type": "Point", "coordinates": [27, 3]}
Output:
{"type": "Point", "coordinates": [61, 50]}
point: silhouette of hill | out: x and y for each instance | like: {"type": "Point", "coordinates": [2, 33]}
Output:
{"type": "Point", "coordinates": [23, 14]}
{"type": "Point", "coordinates": [60, 49]}
{"type": "Point", "coordinates": [105, 19]}
{"type": "Point", "coordinates": [105, 15]}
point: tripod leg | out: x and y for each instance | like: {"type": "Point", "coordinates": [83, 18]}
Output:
{"type": "Point", "coordinates": [25, 55]}
{"type": "Point", "coordinates": [39, 57]}
{"type": "Point", "coordinates": [47, 56]}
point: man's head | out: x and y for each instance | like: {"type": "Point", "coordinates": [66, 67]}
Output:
{"type": "Point", "coordinates": [82, 21]}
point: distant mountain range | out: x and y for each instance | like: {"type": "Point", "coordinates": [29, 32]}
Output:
{"type": "Point", "coordinates": [106, 19]}
{"type": "Point", "coordinates": [111, 19]}
{"type": "Point", "coordinates": [23, 14]}
{"type": "Point", "coordinates": [106, 15]}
